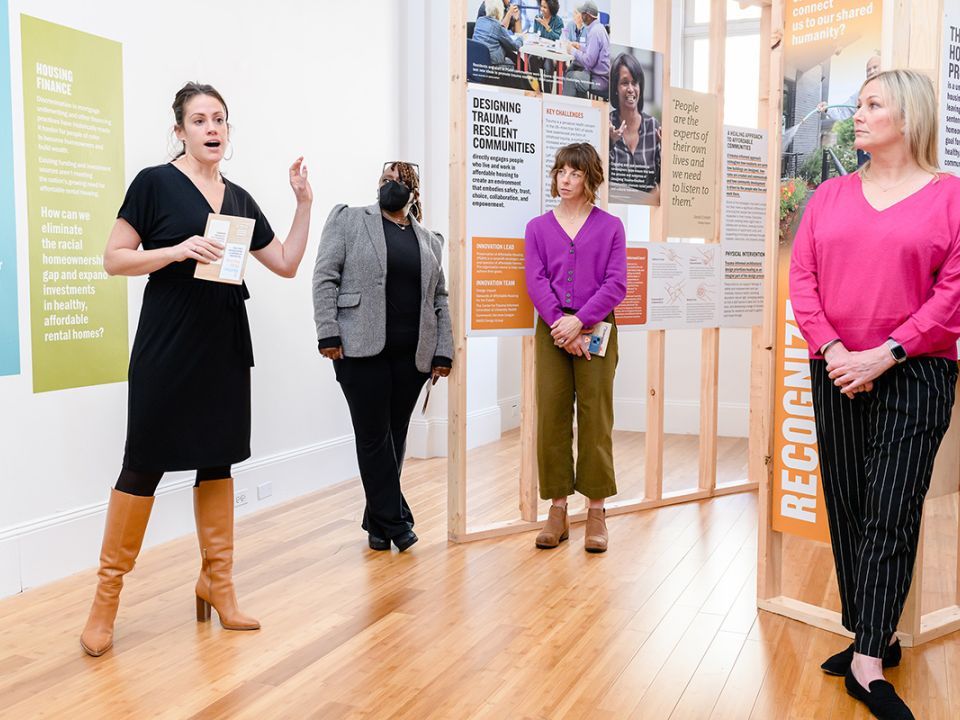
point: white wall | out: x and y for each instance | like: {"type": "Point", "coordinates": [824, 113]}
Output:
{"type": "Point", "coordinates": [294, 86]}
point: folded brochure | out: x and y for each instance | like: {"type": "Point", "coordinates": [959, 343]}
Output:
{"type": "Point", "coordinates": [596, 341]}
{"type": "Point", "coordinates": [233, 234]}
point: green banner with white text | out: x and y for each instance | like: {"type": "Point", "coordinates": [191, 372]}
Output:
{"type": "Point", "coordinates": [73, 133]}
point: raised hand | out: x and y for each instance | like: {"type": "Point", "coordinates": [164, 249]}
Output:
{"type": "Point", "coordinates": [300, 182]}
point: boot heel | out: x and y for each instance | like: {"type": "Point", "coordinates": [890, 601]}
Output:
{"type": "Point", "coordinates": [203, 610]}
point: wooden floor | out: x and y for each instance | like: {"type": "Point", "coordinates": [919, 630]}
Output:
{"type": "Point", "coordinates": [662, 626]}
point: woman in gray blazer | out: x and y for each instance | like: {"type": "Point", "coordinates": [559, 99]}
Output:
{"type": "Point", "coordinates": [380, 304]}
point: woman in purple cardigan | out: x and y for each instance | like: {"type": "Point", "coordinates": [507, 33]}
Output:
{"type": "Point", "coordinates": [576, 268]}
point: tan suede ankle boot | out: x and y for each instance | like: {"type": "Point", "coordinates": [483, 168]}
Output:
{"type": "Point", "coordinates": [213, 508]}
{"type": "Point", "coordinates": [557, 528]}
{"type": "Point", "coordinates": [127, 517]}
{"type": "Point", "coordinates": [595, 536]}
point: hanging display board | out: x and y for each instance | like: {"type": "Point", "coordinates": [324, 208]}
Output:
{"type": "Point", "coordinates": [504, 167]}
{"type": "Point", "coordinates": [829, 49]}
{"type": "Point", "coordinates": [636, 118]}
{"type": "Point", "coordinates": [691, 130]}
{"type": "Point", "coordinates": [744, 179]}
{"type": "Point", "coordinates": [512, 142]}
{"type": "Point", "coordinates": [73, 134]}
{"type": "Point", "coordinates": [564, 123]}
{"type": "Point", "coordinates": [949, 148]}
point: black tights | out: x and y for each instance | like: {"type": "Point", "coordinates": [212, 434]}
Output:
{"type": "Point", "coordinates": [144, 482]}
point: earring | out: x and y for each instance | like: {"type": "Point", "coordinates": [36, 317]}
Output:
{"type": "Point", "coordinates": [230, 148]}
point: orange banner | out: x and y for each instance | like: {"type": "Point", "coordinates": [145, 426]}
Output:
{"type": "Point", "coordinates": [633, 309]}
{"type": "Point", "coordinates": [499, 300]}
{"type": "Point", "coordinates": [797, 497]}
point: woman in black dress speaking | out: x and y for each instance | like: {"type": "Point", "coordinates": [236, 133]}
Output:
{"type": "Point", "coordinates": [189, 379]}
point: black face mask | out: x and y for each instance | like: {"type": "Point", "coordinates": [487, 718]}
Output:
{"type": "Point", "coordinates": [394, 196]}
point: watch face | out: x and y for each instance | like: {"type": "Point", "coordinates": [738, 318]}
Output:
{"type": "Point", "coordinates": [899, 354]}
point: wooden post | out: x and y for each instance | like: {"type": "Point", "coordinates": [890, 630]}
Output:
{"type": "Point", "coordinates": [769, 548]}
{"type": "Point", "coordinates": [710, 337]}
{"type": "Point", "coordinates": [656, 339]}
{"type": "Point", "coordinates": [910, 620]}
{"type": "Point", "coordinates": [457, 385]}
{"type": "Point", "coordinates": [529, 483]}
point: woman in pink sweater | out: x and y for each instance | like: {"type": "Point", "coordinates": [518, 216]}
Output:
{"type": "Point", "coordinates": [875, 288]}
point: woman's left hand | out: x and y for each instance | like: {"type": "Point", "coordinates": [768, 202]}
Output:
{"type": "Point", "coordinates": [854, 370]}
{"type": "Point", "coordinates": [566, 329]}
{"type": "Point", "coordinates": [300, 183]}
{"type": "Point", "coordinates": [438, 372]}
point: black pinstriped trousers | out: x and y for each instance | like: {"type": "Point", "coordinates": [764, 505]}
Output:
{"type": "Point", "coordinates": [876, 459]}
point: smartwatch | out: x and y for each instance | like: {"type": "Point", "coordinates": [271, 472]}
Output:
{"type": "Point", "coordinates": [897, 351]}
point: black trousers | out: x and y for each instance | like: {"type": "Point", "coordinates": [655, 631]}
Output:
{"type": "Point", "coordinates": [876, 458]}
{"type": "Point", "coordinates": [381, 392]}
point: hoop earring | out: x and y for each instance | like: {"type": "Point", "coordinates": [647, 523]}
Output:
{"type": "Point", "coordinates": [230, 148]}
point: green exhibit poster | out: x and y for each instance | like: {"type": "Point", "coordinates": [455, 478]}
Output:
{"type": "Point", "coordinates": [73, 135]}
{"type": "Point", "coordinates": [9, 324]}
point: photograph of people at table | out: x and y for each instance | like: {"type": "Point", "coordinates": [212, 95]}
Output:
{"type": "Point", "coordinates": [538, 44]}
{"type": "Point", "coordinates": [636, 102]}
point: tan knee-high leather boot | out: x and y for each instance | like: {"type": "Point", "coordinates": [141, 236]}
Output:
{"type": "Point", "coordinates": [127, 517]}
{"type": "Point", "coordinates": [213, 509]}
{"type": "Point", "coordinates": [557, 528]}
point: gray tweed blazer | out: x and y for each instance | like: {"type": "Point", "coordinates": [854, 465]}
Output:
{"type": "Point", "coordinates": [349, 286]}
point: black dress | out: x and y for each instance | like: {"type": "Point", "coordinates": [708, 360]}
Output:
{"type": "Point", "coordinates": [189, 379]}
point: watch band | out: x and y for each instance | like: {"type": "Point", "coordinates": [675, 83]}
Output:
{"type": "Point", "coordinates": [827, 346]}
{"type": "Point", "coordinates": [896, 351]}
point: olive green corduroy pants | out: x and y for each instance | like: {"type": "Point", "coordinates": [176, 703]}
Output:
{"type": "Point", "coordinates": [563, 379]}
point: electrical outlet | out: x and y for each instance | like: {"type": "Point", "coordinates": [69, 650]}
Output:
{"type": "Point", "coordinates": [264, 490]}
{"type": "Point", "coordinates": [240, 498]}
{"type": "Point", "coordinates": [515, 410]}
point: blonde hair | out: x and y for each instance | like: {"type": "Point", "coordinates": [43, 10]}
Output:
{"type": "Point", "coordinates": [494, 9]}
{"type": "Point", "coordinates": [913, 95]}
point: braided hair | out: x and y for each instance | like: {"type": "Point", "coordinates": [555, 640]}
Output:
{"type": "Point", "coordinates": [408, 176]}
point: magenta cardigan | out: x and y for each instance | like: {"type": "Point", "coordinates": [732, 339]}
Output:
{"type": "Point", "coordinates": [862, 276]}
{"type": "Point", "coordinates": [587, 274]}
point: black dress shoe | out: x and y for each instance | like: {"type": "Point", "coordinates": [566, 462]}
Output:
{"type": "Point", "coordinates": [406, 540]}
{"type": "Point", "coordinates": [881, 698]}
{"type": "Point", "coordinates": [377, 543]}
{"type": "Point", "coordinates": [839, 664]}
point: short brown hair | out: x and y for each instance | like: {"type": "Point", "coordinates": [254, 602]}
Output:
{"type": "Point", "coordinates": [582, 157]}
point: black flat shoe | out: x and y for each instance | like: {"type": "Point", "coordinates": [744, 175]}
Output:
{"type": "Point", "coordinates": [406, 540]}
{"type": "Point", "coordinates": [839, 664]}
{"type": "Point", "coordinates": [377, 543]}
{"type": "Point", "coordinates": [881, 698]}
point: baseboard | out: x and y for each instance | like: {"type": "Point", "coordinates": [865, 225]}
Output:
{"type": "Point", "coordinates": [682, 417]}
{"type": "Point", "coordinates": [49, 548]}
{"type": "Point", "coordinates": [427, 437]}
{"type": "Point", "coordinates": [509, 412]}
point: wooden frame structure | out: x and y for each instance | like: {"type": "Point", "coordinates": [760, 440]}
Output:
{"type": "Point", "coordinates": [458, 528]}
{"type": "Point", "coordinates": [906, 43]}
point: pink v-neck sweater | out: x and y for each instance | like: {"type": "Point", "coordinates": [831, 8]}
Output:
{"type": "Point", "coordinates": [863, 275]}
